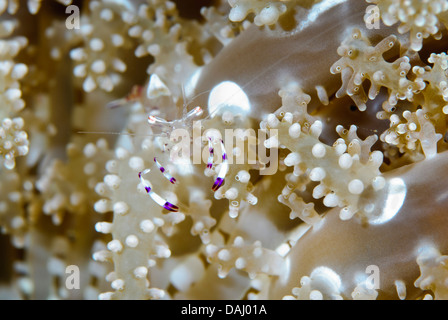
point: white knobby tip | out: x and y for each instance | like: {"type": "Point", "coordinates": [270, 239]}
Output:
{"type": "Point", "coordinates": [17, 223]}
{"type": "Point", "coordinates": [121, 153]}
{"type": "Point", "coordinates": [140, 51]}
{"type": "Point", "coordinates": [269, 15]}
{"type": "Point", "coordinates": [120, 208]}
{"type": "Point", "coordinates": [154, 49]}
{"type": "Point", "coordinates": [12, 94]}
{"type": "Point", "coordinates": [18, 123]}
{"type": "Point", "coordinates": [238, 241]}
{"type": "Point", "coordinates": [111, 166]}
{"type": "Point", "coordinates": [272, 142]}
{"type": "Point", "coordinates": [233, 211]}
{"type": "Point", "coordinates": [413, 126]}
{"type": "Point", "coordinates": [162, 252]}
{"type": "Point", "coordinates": [136, 163]}
{"type": "Point", "coordinates": [106, 14]}
{"type": "Point", "coordinates": [319, 191]}
{"type": "Point", "coordinates": [292, 159]}
{"type": "Point", "coordinates": [19, 71]}
{"type": "Point", "coordinates": [444, 110]}
{"type": "Point", "coordinates": [141, 272]}
{"type": "Point", "coordinates": [132, 241]}
{"type": "Point", "coordinates": [111, 276]}
{"type": "Point", "coordinates": [98, 66]}
{"type": "Point", "coordinates": [155, 293]}
{"type": "Point", "coordinates": [231, 194]}
{"type": "Point", "coordinates": [147, 226]}
{"type": "Point", "coordinates": [368, 208]}
{"type": "Point", "coordinates": [288, 117]}
{"type": "Point", "coordinates": [106, 296]}
{"type": "Point", "coordinates": [331, 200]}
{"type": "Point", "coordinates": [346, 213]}
{"type": "Point", "coordinates": [117, 40]}
{"type": "Point", "coordinates": [197, 228]}
{"type": "Point", "coordinates": [378, 183]}
{"type": "Point", "coordinates": [102, 206]}
{"type": "Point", "coordinates": [224, 255]}
{"type": "Point", "coordinates": [401, 289]}
{"type": "Point", "coordinates": [102, 256]}
{"type": "Point", "coordinates": [89, 84]}
{"type": "Point", "coordinates": [257, 252]}
{"type": "Point", "coordinates": [322, 95]}
{"type": "Point", "coordinates": [243, 176]}
{"type": "Point", "coordinates": [236, 14]}
{"type": "Point", "coordinates": [316, 295]}
{"type": "Point", "coordinates": [90, 168]}
{"type": "Point", "coordinates": [78, 54]}
{"type": "Point", "coordinates": [376, 157]}
{"type": "Point", "coordinates": [355, 186]}
{"type": "Point", "coordinates": [318, 150]}
{"type": "Point", "coordinates": [316, 128]}
{"type": "Point", "coordinates": [227, 117]}
{"type": "Point", "coordinates": [251, 199]}
{"type": "Point", "coordinates": [240, 263]}
{"type": "Point", "coordinates": [317, 174]}
{"type": "Point", "coordinates": [89, 150]}
{"type": "Point", "coordinates": [211, 249]}
{"type": "Point", "coordinates": [103, 227]}
{"type": "Point", "coordinates": [294, 130]}
{"type": "Point", "coordinates": [340, 146]}
{"type": "Point", "coordinates": [115, 246]}
{"type": "Point", "coordinates": [272, 121]}
{"type": "Point", "coordinates": [118, 284]}
{"type": "Point", "coordinates": [159, 222]}
{"type": "Point", "coordinates": [112, 181]}
{"type": "Point", "coordinates": [345, 161]}
{"type": "Point", "coordinates": [96, 44]}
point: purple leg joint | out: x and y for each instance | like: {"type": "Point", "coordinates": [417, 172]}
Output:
{"type": "Point", "coordinates": [170, 207]}
{"type": "Point", "coordinates": [218, 183]}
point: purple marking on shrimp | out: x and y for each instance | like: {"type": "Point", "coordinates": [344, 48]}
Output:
{"type": "Point", "coordinates": [211, 153]}
{"type": "Point", "coordinates": [170, 207]}
{"type": "Point", "coordinates": [218, 183]}
{"type": "Point", "coordinates": [163, 170]}
{"type": "Point", "coordinates": [154, 196]}
{"type": "Point", "coordinates": [224, 156]}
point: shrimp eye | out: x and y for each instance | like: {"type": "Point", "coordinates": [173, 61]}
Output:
{"type": "Point", "coordinates": [151, 119]}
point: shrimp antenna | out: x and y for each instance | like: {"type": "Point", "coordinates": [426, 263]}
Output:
{"type": "Point", "coordinates": [194, 97]}
{"type": "Point", "coordinates": [120, 133]}
{"type": "Point", "coordinates": [130, 98]}
{"type": "Point", "coordinates": [184, 109]}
